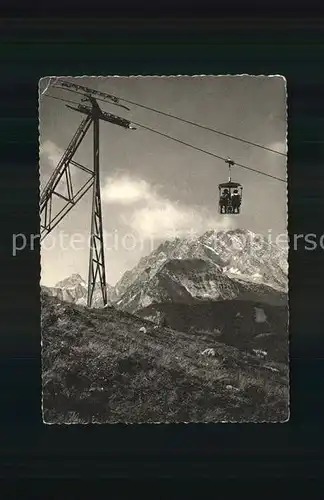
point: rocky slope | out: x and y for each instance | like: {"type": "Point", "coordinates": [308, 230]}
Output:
{"type": "Point", "coordinates": [191, 281]}
{"type": "Point", "coordinates": [101, 365]}
{"type": "Point", "coordinates": [239, 254]}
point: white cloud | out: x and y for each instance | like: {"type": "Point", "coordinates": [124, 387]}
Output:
{"type": "Point", "coordinates": [167, 220]}
{"type": "Point", "coordinates": [126, 191]}
{"type": "Point", "coordinates": [153, 216]}
{"type": "Point", "coordinates": [50, 151]}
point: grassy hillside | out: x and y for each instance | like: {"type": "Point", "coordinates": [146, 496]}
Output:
{"type": "Point", "coordinates": [234, 322]}
{"type": "Point", "coordinates": [98, 367]}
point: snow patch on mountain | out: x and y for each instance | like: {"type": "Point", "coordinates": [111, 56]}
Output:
{"type": "Point", "coordinates": [260, 316]}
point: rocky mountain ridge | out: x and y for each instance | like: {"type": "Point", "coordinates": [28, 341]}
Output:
{"type": "Point", "coordinates": [229, 265]}
{"type": "Point", "coordinates": [74, 289]}
{"type": "Point", "coordinates": [238, 253]}
{"type": "Point", "coordinates": [191, 281]}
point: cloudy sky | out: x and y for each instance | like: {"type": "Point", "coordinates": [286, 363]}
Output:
{"type": "Point", "coordinates": [154, 188]}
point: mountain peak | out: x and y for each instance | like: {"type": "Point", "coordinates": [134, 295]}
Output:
{"type": "Point", "coordinates": [76, 276]}
{"type": "Point", "coordinates": [72, 281]}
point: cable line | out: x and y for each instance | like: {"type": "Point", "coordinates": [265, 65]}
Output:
{"type": "Point", "coordinates": [207, 152]}
{"type": "Point", "coordinates": [188, 121]}
{"type": "Point", "coordinates": [203, 127]}
{"type": "Point", "coordinates": [185, 144]}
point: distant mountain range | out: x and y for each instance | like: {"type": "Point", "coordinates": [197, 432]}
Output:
{"type": "Point", "coordinates": [74, 289]}
{"type": "Point", "coordinates": [216, 266]}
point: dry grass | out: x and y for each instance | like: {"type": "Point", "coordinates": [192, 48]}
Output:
{"type": "Point", "coordinates": [98, 367]}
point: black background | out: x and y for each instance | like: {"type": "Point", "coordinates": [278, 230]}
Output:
{"type": "Point", "coordinates": [39, 46]}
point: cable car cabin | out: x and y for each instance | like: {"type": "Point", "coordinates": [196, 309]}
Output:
{"type": "Point", "coordinates": [230, 197]}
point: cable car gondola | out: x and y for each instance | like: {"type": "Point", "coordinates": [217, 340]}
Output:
{"type": "Point", "coordinates": [230, 194]}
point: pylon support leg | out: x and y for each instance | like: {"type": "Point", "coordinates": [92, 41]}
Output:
{"type": "Point", "coordinates": [97, 254]}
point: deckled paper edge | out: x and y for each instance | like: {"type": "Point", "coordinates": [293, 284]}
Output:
{"type": "Point", "coordinates": [40, 94]}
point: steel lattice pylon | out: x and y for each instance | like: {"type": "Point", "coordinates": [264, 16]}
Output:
{"type": "Point", "coordinates": [96, 258]}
